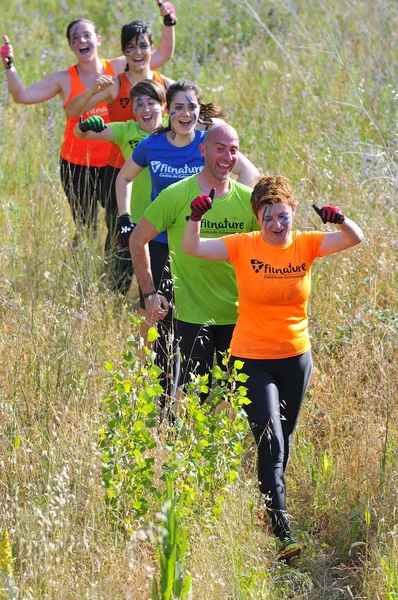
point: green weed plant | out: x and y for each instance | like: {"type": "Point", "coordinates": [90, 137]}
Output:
{"type": "Point", "coordinates": [200, 451]}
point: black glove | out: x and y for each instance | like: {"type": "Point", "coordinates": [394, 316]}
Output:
{"type": "Point", "coordinates": [169, 20]}
{"type": "Point", "coordinates": [126, 226]}
{"type": "Point", "coordinates": [93, 123]}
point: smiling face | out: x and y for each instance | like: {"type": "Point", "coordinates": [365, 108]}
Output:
{"type": "Point", "coordinates": [138, 53]}
{"type": "Point", "coordinates": [276, 222]}
{"type": "Point", "coordinates": [184, 112]}
{"type": "Point", "coordinates": [148, 112]}
{"type": "Point", "coordinates": [84, 41]}
{"type": "Point", "coordinates": [221, 150]}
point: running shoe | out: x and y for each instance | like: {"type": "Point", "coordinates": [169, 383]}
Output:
{"type": "Point", "coordinates": [288, 548]}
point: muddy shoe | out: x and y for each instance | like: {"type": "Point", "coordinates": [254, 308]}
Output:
{"type": "Point", "coordinates": [288, 548]}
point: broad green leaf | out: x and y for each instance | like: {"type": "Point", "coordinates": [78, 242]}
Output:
{"type": "Point", "coordinates": [238, 364]}
{"type": "Point", "coordinates": [152, 334]}
{"type": "Point", "coordinates": [242, 377]}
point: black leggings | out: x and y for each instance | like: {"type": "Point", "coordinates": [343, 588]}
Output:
{"type": "Point", "coordinates": [276, 389]}
{"type": "Point", "coordinates": [110, 205]}
{"type": "Point", "coordinates": [197, 346]}
{"type": "Point", "coordinates": [83, 187]}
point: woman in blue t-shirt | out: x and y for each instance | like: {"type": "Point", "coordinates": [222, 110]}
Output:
{"type": "Point", "coordinates": [172, 153]}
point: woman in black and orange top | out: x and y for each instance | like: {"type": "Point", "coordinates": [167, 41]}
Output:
{"type": "Point", "coordinates": [137, 46]}
{"type": "Point", "coordinates": [83, 163]}
{"type": "Point", "coordinates": [273, 273]}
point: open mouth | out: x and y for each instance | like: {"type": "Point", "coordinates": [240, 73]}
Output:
{"type": "Point", "coordinates": [84, 50]}
{"type": "Point", "coordinates": [224, 167]}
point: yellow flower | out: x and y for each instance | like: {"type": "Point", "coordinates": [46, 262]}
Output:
{"type": "Point", "coordinates": [5, 553]}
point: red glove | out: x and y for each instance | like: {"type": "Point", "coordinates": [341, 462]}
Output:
{"type": "Point", "coordinates": [330, 214]}
{"type": "Point", "coordinates": [169, 19]}
{"type": "Point", "coordinates": [7, 53]}
{"type": "Point", "coordinates": [200, 205]}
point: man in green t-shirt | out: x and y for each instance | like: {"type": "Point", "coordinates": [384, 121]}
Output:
{"type": "Point", "coordinates": [205, 292]}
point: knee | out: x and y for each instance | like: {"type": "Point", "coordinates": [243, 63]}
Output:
{"type": "Point", "coordinates": [270, 446]}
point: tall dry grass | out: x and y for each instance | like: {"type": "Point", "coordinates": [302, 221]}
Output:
{"type": "Point", "coordinates": [311, 89]}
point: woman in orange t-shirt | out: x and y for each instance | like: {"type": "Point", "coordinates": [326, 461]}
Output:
{"type": "Point", "coordinates": [82, 163]}
{"type": "Point", "coordinates": [273, 272]}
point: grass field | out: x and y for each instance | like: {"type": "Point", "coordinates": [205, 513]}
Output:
{"type": "Point", "coordinates": [311, 89]}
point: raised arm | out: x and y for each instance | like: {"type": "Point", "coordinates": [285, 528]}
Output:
{"type": "Point", "coordinates": [37, 92]}
{"type": "Point", "coordinates": [156, 305]}
{"type": "Point", "coordinates": [247, 173]}
{"type": "Point", "coordinates": [350, 233]}
{"type": "Point", "coordinates": [192, 243]}
{"type": "Point", "coordinates": [166, 46]}
{"type": "Point", "coordinates": [101, 91]}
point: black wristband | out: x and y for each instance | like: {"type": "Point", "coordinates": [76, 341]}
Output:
{"type": "Point", "coordinates": [149, 294]}
{"type": "Point", "coordinates": [9, 66]}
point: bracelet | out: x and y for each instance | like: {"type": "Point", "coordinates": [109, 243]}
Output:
{"type": "Point", "coordinates": [149, 294]}
{"type": "Point", "coordinates": [9, 66]}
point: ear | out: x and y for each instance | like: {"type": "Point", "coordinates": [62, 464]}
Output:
{"type": "Point", "coordinates": [201, 149]}
{"type": "Point", "coordinates": [293, 210]}
{"type": "Point", "coordinates": [99, 39]}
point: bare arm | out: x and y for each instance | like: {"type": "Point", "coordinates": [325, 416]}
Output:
{"type": "Point", "coordinates": [102, 90]}
{"type": "Point", "coordinates": [40, 91]}
{"type": "Point", "coordinates": [156, 305]}
{"type": "Point", "coordinates": [165, 49]}
{"type": "Point", "coordinates": [37, 92]}
{"type": "Point", "coordinates": [210, 248]}
{"type": "Point", "coordinates": [167, 81]}
{"type": "Point", "coordinates": [349, 235]}
{"type": "Point", "coordinates": [124, 180]}
{"type": "Point", "coordinates": [247, 173]}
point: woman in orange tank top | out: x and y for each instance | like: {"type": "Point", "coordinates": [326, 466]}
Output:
{"type": "Point", "coordinates": [82, 166]}
{"type": "Point", "coordinates": [137, 46]}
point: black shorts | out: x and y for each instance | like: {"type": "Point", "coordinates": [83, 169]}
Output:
{"type": "Point", "coordinates": [83, 187]}
{"type": "Point", "coordinates": [197, 344]}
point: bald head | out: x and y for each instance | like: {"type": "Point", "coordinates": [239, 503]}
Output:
{"type": "Point", "coordinates": [220, 151]}
{"type": "Point", "coordinates": [221, 132]}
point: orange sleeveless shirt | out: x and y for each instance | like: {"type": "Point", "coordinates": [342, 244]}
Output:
{"type": "Point", "coordinates": [73, 149]}
{"type": "Point", "coordinates": [120, 110]}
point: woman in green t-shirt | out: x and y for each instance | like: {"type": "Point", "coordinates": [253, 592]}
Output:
{"type": "Point", "coordinates": [148, 99]}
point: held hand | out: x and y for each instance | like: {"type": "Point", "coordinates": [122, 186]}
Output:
{"type": "Point", "coordinates": [168, 13]}
{"type": "Point", "coordinates": [330, 214]}
{"type": "Point", "coordinates": [156, 307]}
{"type": "Point", "coordinates": [200, 205]}
{"type": "Point", "coordinates": [93, 123]}
{"type": "Point", "coordinates": [7, 53]}
{"type": "Point", "coordinates": [126, 226]}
